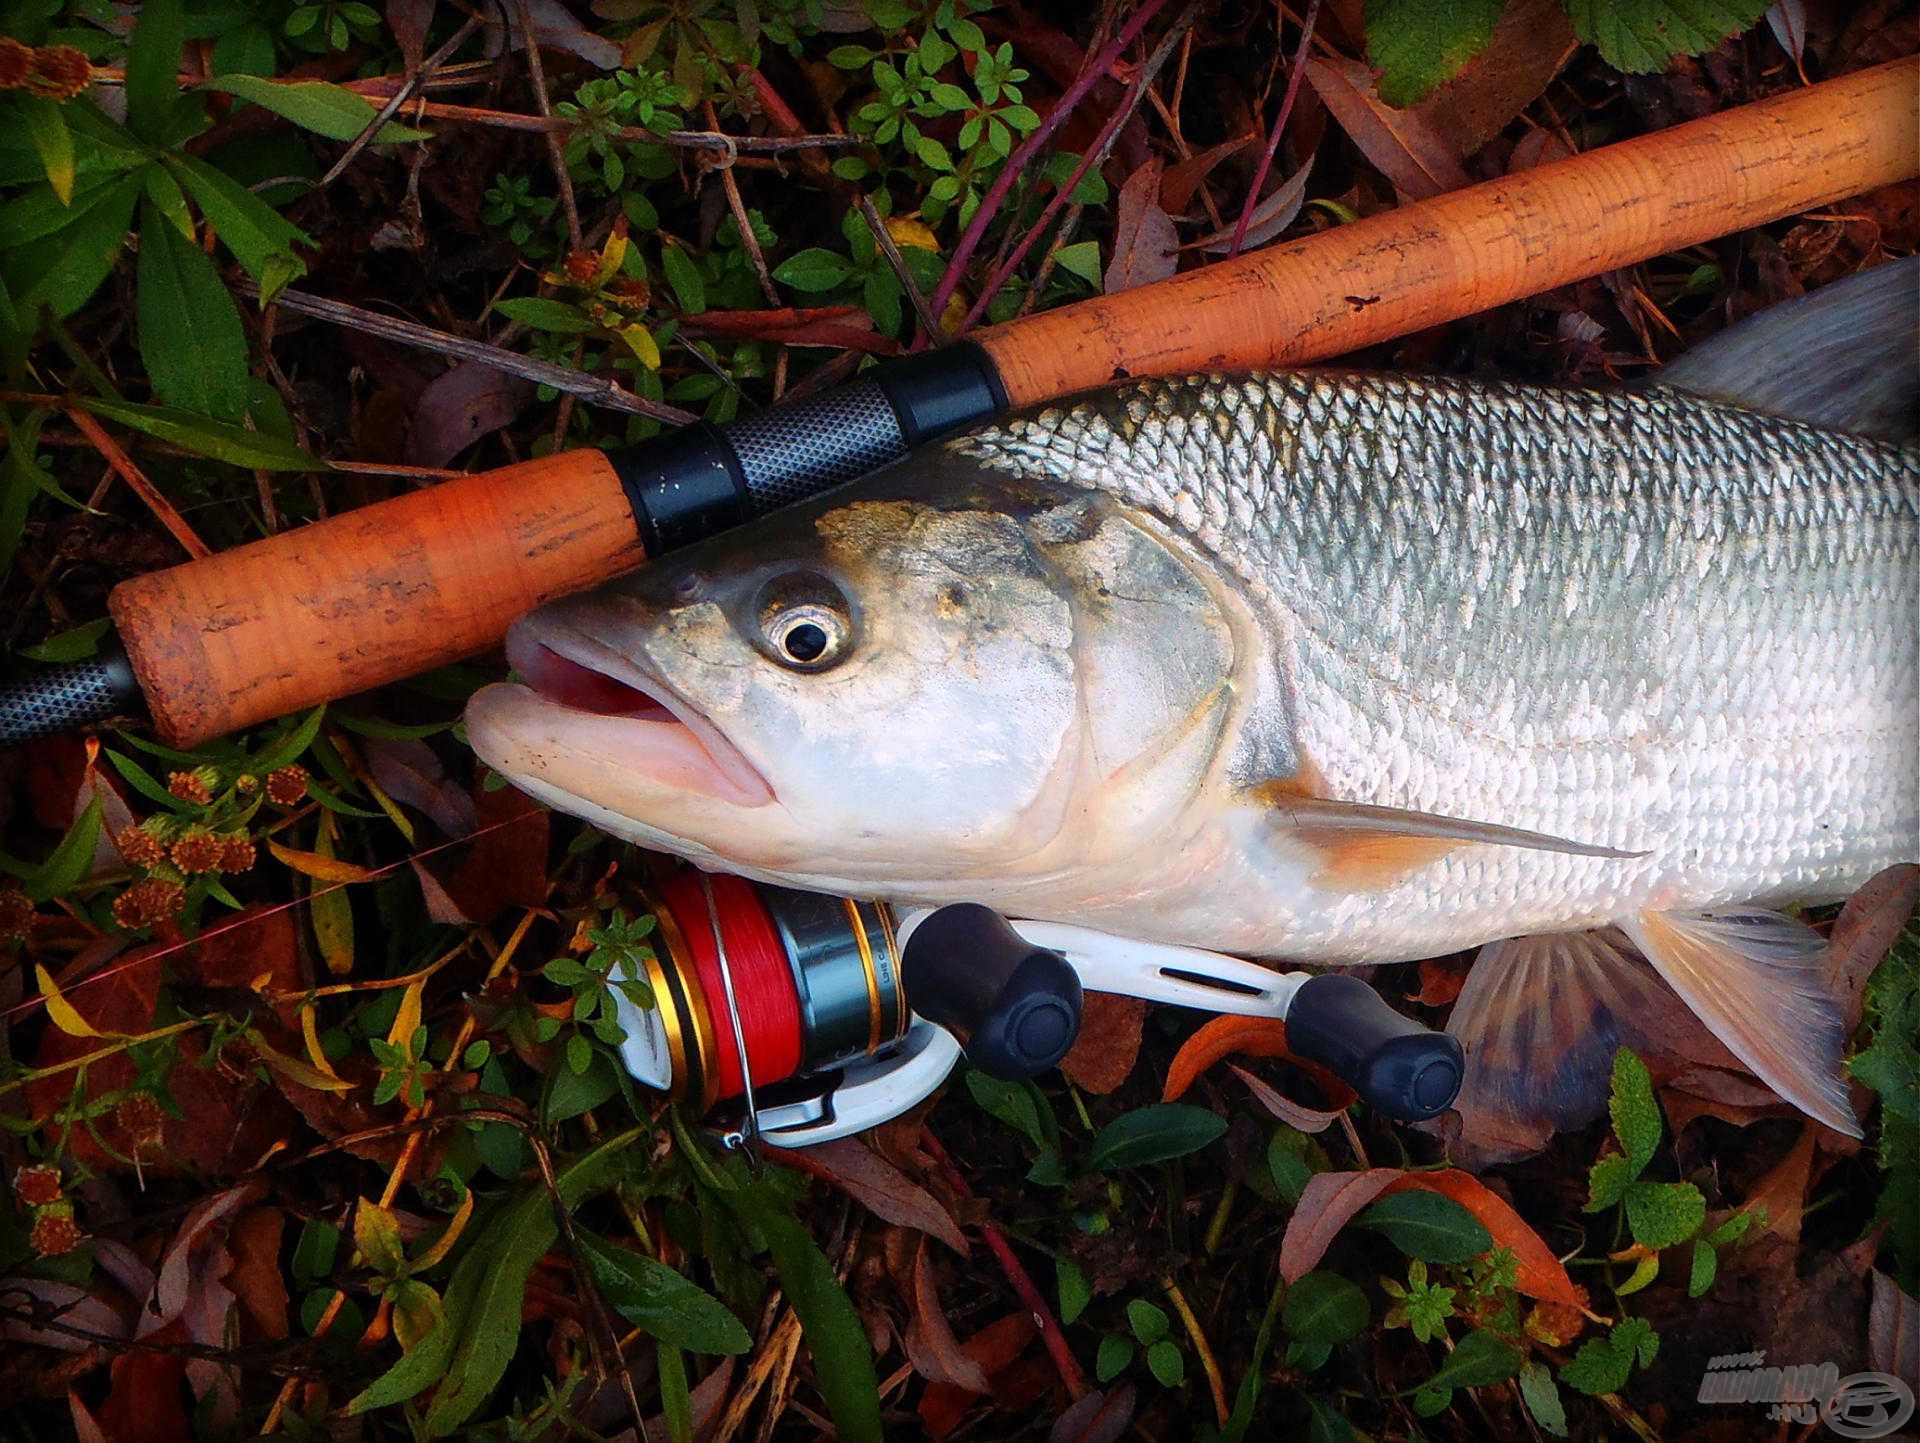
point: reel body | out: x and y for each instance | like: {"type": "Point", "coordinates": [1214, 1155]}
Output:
{"type": "Point", "coordinates": [848, 1014]}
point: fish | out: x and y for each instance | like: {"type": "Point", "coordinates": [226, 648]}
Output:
{"type": "Point", "coordinates": [1327, 666]}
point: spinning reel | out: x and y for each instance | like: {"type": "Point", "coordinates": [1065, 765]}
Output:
{"type": "Point", "coordinates": [824, 1016]}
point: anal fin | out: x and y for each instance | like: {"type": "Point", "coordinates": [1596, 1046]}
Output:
{"type": "Point", "coordinates": [1757, 980]}
{"type": "Point", "coordinates": [1366, 848]}
{"type": "Point", "coordinates": [1540, 1019]}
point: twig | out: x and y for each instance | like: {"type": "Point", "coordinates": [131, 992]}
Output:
{"type": "Point", "coordinates": [1023, 1287]}
{"type": "Point", "coordinates": [882, 237]}
{"type": "Point", "coordinates": [593, 390]}
{"type": "Point", "coordinates": [123, 466]}
{"type": "Point", "coordinates": [408, 85]}
{"type": "Point", "coordinates": [748, 240]}
{"type": "Point", "coordinates": [1142, 83]}
{"type": "Point", "coordinates": [1207, 1362]}
{"type": "Point", "coordinates": [1023, 156]}
{"type": "Point", "coordinates": [554, 147]}
{"type": "Point", "coordinates": [1297, 69]}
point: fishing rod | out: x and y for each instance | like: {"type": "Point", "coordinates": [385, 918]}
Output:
{"type": "Point", "coordinates": [382, 592]}
{"type": "Point", "coordinates": [811, 1017]}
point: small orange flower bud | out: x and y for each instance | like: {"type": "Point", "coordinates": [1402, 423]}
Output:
{"type": "Point", "coordinates": [287, 786]}
{"type": "Point", "coordinates": [60, 72]}
{"type": "Point", "coordinates": [198, 851]}
{"type": "Point", "coordinates": [141, 848]}
{"type": "Point", "coordinates": [189, 787]}
{"type": "Point", "coordinates": [581, 266]}
{"type": "Point", "coordinates": [147, 902]}
{"type": "Point", "coordinates": [55, 1233]}
{"type": "Point", "coordinates": [236, 853]}
{"type": "Point", "coordinates": [246, 784]}
{"type": "Point", "coordinates": [139, 1117]}
{"type": "Point", "coordinates": [37, 1185]}
{"type": "Point", "coordinates": [16, 63]}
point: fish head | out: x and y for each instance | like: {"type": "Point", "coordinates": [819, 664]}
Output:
{"type": "Point", "coordinates": [918, 683]}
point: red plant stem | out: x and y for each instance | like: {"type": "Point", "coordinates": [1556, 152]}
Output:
{"type": "Point", "coordinates": [1023, 1285]}
{"type": "Point", "coordinates": [1294, 72]}
{"type": "Point", "coordinates": [1097, 152]}
{"type": "Point", "coordinates": [1023, 155]}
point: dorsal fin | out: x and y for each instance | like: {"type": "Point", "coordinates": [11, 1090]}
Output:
{"type": "Point", "coordinates": [1846, 357]}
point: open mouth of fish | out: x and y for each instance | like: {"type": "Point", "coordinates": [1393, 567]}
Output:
{"type": "Point", "coordinates": [637, 720]}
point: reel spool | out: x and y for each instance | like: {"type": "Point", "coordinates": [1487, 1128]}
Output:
{"type": "Point", "coordinates": [846, 1015]}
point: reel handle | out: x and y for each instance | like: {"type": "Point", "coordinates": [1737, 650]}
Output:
{"type": "Point", "coordinates": [1408, 1071]}
{"type": "Point", "coordinates": [1014, 1005]}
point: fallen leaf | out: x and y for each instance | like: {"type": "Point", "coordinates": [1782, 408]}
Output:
{"type": "Point", "coordinates": [412, 773]}
{"type": "Point", "coordinates": [1270, 217]}
{"type": "Point", "coordinates": [1402, 145]}
{"type": "Point", "coordinates": [877, 1185]}
{"type": "Point", "coordinates": [997, 1348]}
{"type": "Point", "coordinates": [1893, 1331]}
{"type": "Point", "coordinates": [1865, 931]}
{"type": "Point", "coordinates": [1109, 1042]}
{"type": "Point", "coordinates": [1532, 43]}
{"type": "Point", "coordinates": [1179, 182]}
{"type": "Point", "coordinates": [931, 1347]}
{"type": "Point", "coordinates": [459, 407]}
{"type": "Point", "coordinates": [1099, 1417]}
{"type": "Point", "coordinates": [839, 327]}
{"type": "Point", "coordinates": [409, 20]}
{"type": "Point", "coordinates": [1782, 1191]}
{"type": "Point", "coordinates": [506, 865]}
{"type": "Point", "coordinates": [555, 29]}
{"type": "Point", "coordinates": [255, 1279]}
{"type": "Point", "coordinates": [1278, 1105]}
{"type": "Point", "coordinates": [318, 865]}
{"type": "Point", "coordinates": [1145, 244]}
{"type": "Point", "coordinates": [1331, 1200]}
{"type": "Point", "coordinates": [1232, 1035]}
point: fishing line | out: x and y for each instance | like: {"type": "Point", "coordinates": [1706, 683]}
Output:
{"type": "Point", "coordinates": [750, 1127]}
{"type": "Point", "coordinates": [755, 977]}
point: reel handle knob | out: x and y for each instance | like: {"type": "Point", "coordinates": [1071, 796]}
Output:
{"type": "Point", "coordinates": [1015, 1006]}
{"type": "Point", "coordinates": [1408, 1071]}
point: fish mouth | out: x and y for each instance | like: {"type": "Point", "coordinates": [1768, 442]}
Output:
{"type": "Point", "coordinates": [637, 720]}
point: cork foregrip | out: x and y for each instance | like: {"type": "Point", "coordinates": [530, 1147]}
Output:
{"type": "Point", "coordinates": [370, 595]}
{"type": "Point", "coordinates": [1468, 250]}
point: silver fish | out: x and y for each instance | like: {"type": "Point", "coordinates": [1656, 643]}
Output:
{"type": "Point", "coordinates": [1332, 667]}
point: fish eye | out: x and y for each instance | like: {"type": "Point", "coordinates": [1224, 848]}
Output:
{"type": "Point", "coordinates": [805, 627]}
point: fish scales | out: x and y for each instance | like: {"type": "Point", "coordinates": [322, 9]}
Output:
{"type": "Point", "coordinates": [1632, 617]}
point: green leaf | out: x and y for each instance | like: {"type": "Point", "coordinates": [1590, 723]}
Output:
{"type": "Point", "coordinates": [51, 138]}
{"type": "Point", "coordinates": [153, 70]}
{"type": "Point", "coordinates": [204, 437]}
{"type": "Point", "coordinates": [1156, 1133]}
{"type": "Point", "coordinates": [328, 110]}
{"type": "Point", "coordinates": [651, 1295]}
{"type": "Point", "coordinates": [1327, 1424]}
{"type": "Point", "coordinates": [1018, 1104]}
{"type": "Point", "coordinates": [1081, 259]}
{"type": "Point", "coordinates": [314, 1253]}
{"type": "Point", "coordinates": [575, 1091]}
{"type": "Point", "coordinates": [70, 645]}
{"type": "Point", "coordinates": [1706, 1266]}
{"type": "Point", "coordinates": [1602, 1364]}
{"type": "Point", "coordinates": [257, 235]}
{"type": "Point", "coordinates": [1291, 1171]}
{"type": "Point", "coordinates": [1148, 1322]}
{"type": "Point", "coordinates": [62, 269]}
{"type": "Point", "coordinates": [1543, 1398]}
{"type": "Point", "coordinates": [1166, 1364]}
{"type": "Point", "coordinates": [684, 276]}
{"type": "Point", "coordinates": [69, 861]}
{"type": "Point", "coordinates": [1608, 1181]}
{"type": "Point", "coordinates": [1324, 1308]}
{"type": "Point", "coordinates": [1428, 1226]}
{"type": "Point", "coordinates": [1635, 1114]}
{"type": "Point", "coordinates": [1478, 1360]}
{"type": "Point", "coordinates": [1661, 1214]}
{"type": "Point", "coordinates": [190, 336]}
{"type": "Point", "coordinates": [545, 314]}
{"type": "Point", "coordinates": [1644, 35]}
{"type": "Point", "coordinates": [813, 270]}
{"type": "Point", "coordinates": [1075, 1294]}
{"type": "Point", "coordinates": [1416, 44]}
{"type": "Point", "coordinates": [842, 1359]}
{"type": "Point", "coordinates": [1110, 1361]}
{"type": "Point", "coordinates": [676, 1400]}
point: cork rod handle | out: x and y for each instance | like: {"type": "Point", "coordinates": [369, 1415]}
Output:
{"type": "Point", "coordinates": [1468, 250]}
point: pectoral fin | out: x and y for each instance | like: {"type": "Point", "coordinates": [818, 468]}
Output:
{"type": "Point", "coordinates": [1540, 1019]}
{"type": "Point", "coordinates": [1757, 980]}
{"type": "Point", "coordinates": [1365, 848]}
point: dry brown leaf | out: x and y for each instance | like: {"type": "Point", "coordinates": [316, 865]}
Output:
{"type": "Point", "coordinates": [1402, 145]}
{"type": "Point", "coordinates": [255, 1278]}
{"type": "Point", "coordinates": [458, 408]}
{"type": "Point", "coordinates": [1179, 182]}
{"type": "Point", "coordinates": [1532, 42]}
{"type": "Point", "coordinates": [1331, 1200]}
{"type": "Point", "coordinates": [1097, 1418]}
{"type": "Point", "coordinates": [1865, 932]}
{"type": "Point", "coordinates": [1144, 240]}
{"type": "Point", "coordinates": [877, 1185]}
{"type": "Point", "coordinates": [1295, 1115]}
{"type": "Point", "coordinates": [1893, 1331]}
{"type": "Point", "coordinates": [1109, 1042]}
{"type": "Point", "coordinates": [997, 1348]}
{"type": "Point", "coordinates": [935, 1353]}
